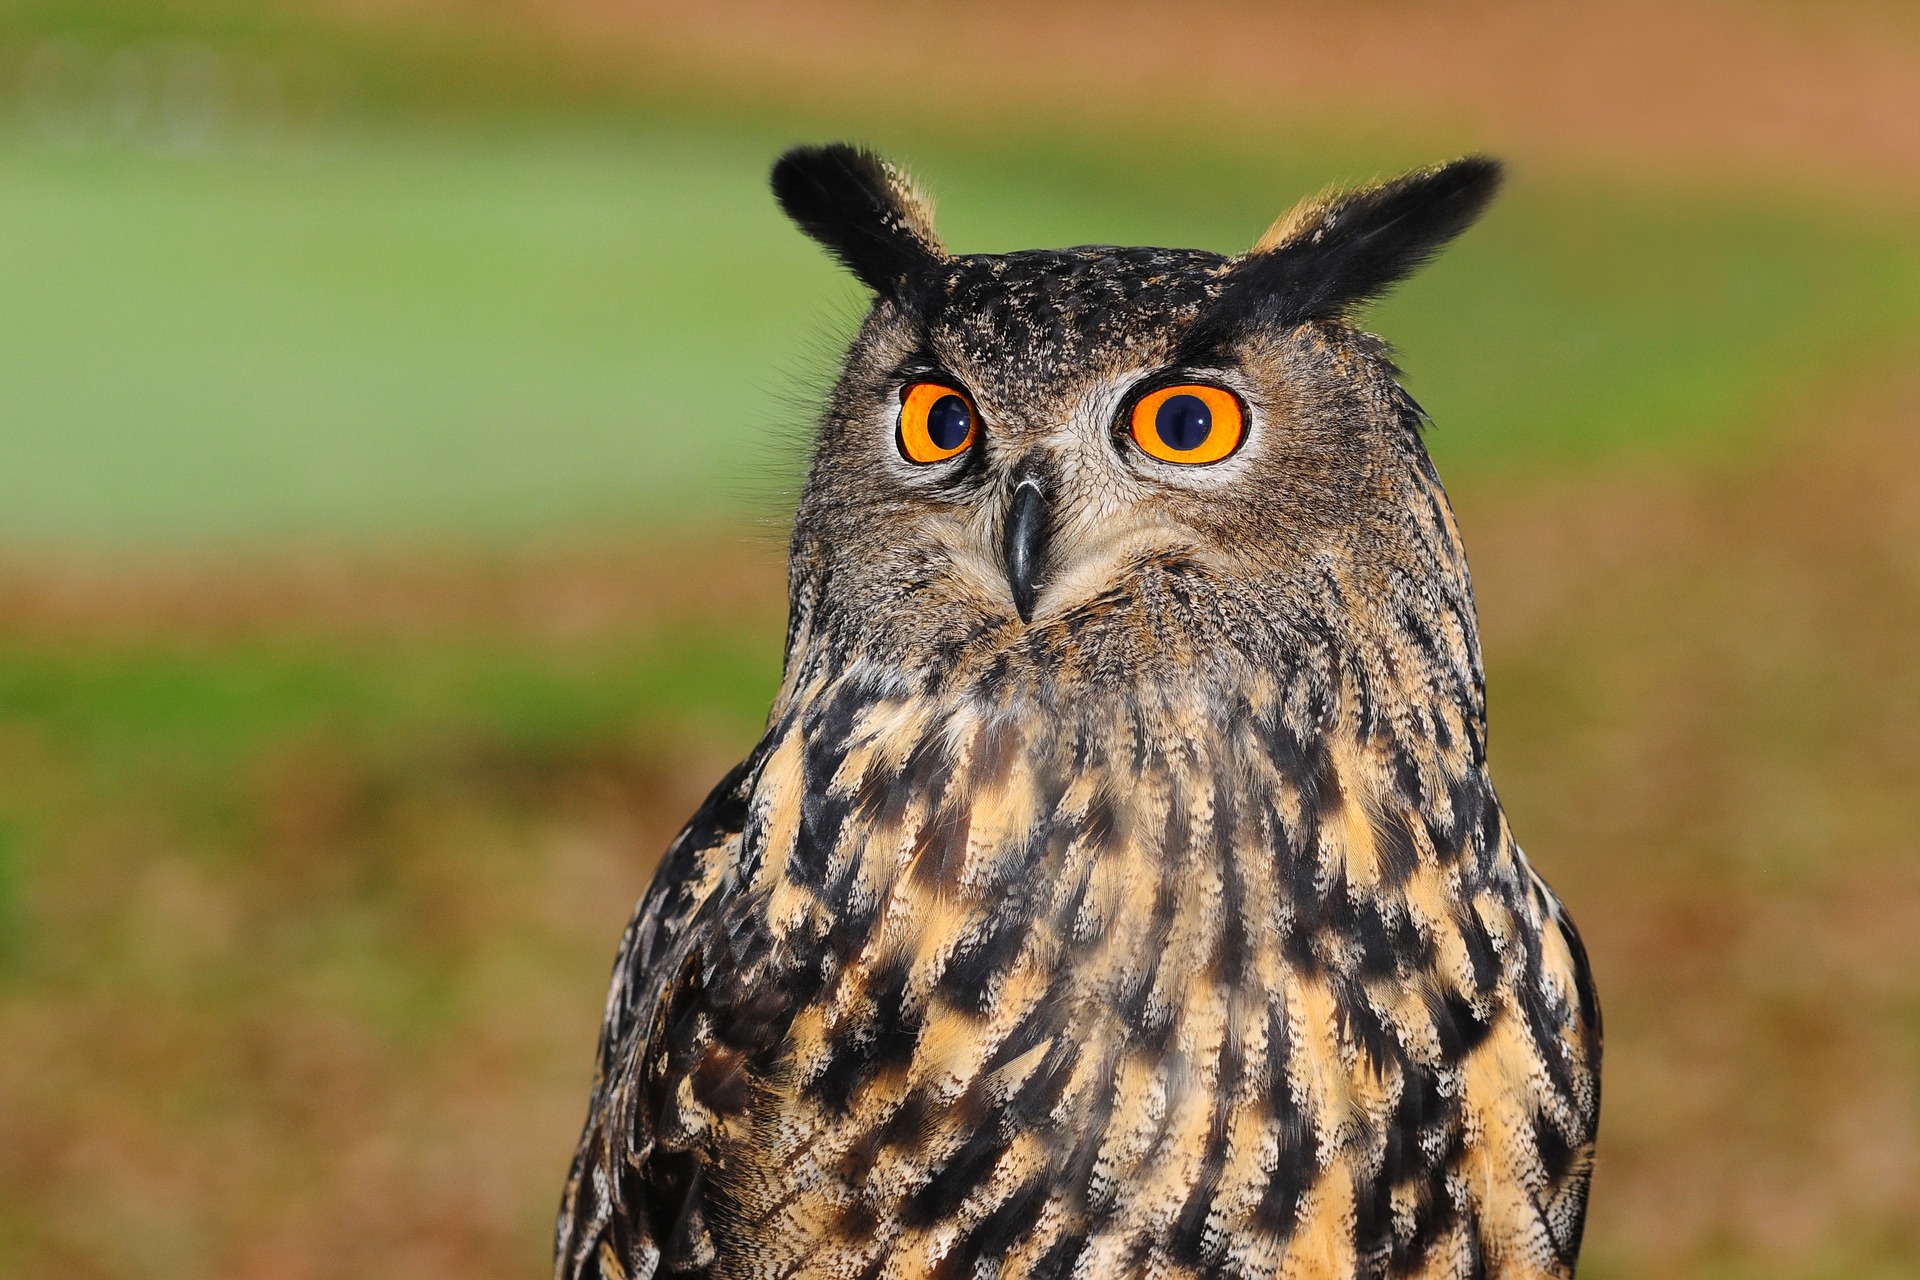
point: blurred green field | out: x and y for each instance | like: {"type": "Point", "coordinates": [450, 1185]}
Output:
{"type": "Point", "coordinates": [501, 332]}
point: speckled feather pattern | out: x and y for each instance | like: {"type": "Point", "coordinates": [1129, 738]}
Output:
{"type": "Point", "coordinates": [1176, 932]}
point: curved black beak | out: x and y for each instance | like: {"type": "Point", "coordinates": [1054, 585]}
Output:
{"type": "Point", "coordinates": [1024, 542]}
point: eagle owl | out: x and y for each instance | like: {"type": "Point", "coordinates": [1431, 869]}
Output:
{"type": "Point", "coordinates": [1118, 889]}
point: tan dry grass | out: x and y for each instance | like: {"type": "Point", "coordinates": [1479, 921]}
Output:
{"type": "Point", "coordinates": [557, 591]}
{"type": "Point", "coordinates": [1819, 92]}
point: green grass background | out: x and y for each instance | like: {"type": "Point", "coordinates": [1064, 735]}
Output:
{"type": "Point", "coordinates": [505, 331]}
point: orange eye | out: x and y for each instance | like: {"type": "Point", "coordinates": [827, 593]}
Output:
{"type": "Point", "coordinates": [936, 422]}
{"type": "Point", "coordinates": [1190, 423]}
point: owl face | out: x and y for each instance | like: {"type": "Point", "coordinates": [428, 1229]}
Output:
{"type": "Point", "coordinates": [1017, 437]}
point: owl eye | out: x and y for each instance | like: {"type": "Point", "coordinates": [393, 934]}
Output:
{"type": "Point", "coordinates": [1191, 423]}
{"type": "Point", "coordinates": [936, 422]}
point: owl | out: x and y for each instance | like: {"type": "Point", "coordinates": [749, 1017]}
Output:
{"type": "Point", "coordinates": [1118, 889]}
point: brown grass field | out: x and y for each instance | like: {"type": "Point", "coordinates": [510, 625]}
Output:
{"type": "Point", "coordinates": [300, 970]}
{"type": "Point", "coordinates": [1822, 93]}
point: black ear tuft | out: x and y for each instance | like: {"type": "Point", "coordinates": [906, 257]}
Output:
{"type": "Point", "coordinates": [864, 211]}
{"type": "Point", "coordinates": [1339, 249]}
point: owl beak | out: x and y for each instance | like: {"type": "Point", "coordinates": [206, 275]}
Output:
{"type": "Point", "coordinates": [1024, 542]}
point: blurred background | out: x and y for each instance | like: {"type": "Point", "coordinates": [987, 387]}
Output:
{"type": "Point", "coordinates": [400, 401]}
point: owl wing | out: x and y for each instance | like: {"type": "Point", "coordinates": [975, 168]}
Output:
{"type": "Point", "coordinates": [1570, 1168]}
{"type": "Point", "coordinates": [690, 959]}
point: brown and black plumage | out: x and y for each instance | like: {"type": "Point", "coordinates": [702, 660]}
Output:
{"type": "Point", "coordinates": [1118, 889]}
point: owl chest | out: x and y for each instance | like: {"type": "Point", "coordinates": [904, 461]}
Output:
{"type": "Point", "coordinates": [1141, 992]}
{"type": "Point", "coordinates": [1141, 877]}
{"type": "Point", "coordinates": [948, 886]}
{"type": "Point", "coordinates": [1021, 964]}
{"type": "Point", "coordinates": [1019, 1002]}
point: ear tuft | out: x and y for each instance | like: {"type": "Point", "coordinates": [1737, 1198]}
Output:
{"type": "Point", "coordinates": [867, 213]}
{"type": "Point", "coordinates": [1339, 249]}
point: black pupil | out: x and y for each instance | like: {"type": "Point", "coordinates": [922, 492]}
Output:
{"type": "Point", "coordinates": [1183, 423]}
{"type": "Point", "coordinates": [949, 422]}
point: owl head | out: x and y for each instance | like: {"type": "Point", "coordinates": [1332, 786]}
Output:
{"type": "Point", "coordinates": [1062, 441]}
